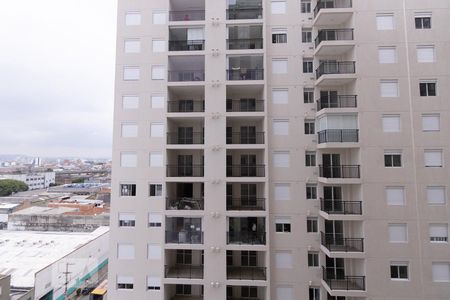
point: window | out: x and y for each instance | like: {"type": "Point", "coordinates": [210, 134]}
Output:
{"type": "Point", "coordinates": [125, 251]}
{"type": "Point", "coordinates": [305, 6]}
{"type": "Point", "coordinates": [280, 96]}
{"type": "Point", "coordinates": [423, 20]}
{"type": "Point", "coordinates": [153, 283]}
{"type": "Point", "coordinates": [282, 224]}
{"type": "Point", "coordinates": [154, 220]}
{"type": "Point", "coordinates": [155, 190]}
{"type": "Point", "coordinates": [279, 66]}
{"type": "Point", "coordinates": [282, 191]}
{"type": "Point", "coordinates": [249, 292]}
{"type": "Point", "coordinates": [436, 195]}
{"type": "Point", "coordinates": [308, 95]}
{"type": "Point", "coordinates": [279, 35]}
{"type": "Point", "coordinates": [441, 271]}
{"type": "Point", "coordinates": [154, 252]}
{"type": "Point", "coordinates": [156, 130]}
{"type": "Point", "coordinates": [132, 18]}
{"type": "Point", "coordinates": [183, 289]}
{"type": "Point", "coordinates": [314, 293]}
{"type": "Point", "coordinates": [310, 158]}
{"type": "Point", "coordinates": [307, 65]}
{"type": "Point", "coordinates": [438, 233]}
{"type": "Point", "coordinates": [131, 73]}
{"type": "Point", "coordinates": [392, 158]}
{"type": "Point", "coordinates": [132, 46]}
{"type": "Point", "coordinates": [433, 158]}
{"type": "Point", "coordinates": [391, 123]}
{"type": "Point", "coordinates": [278, 7]}
{"type": "Point", "coordinates": [284, 293]}
{"type": "Point", "coordinates": [395, 195]}
{"type": "Point", "coordinates": [159, 17]}
{"type": "Point", "coordinates": [130, 102]}
{"type": "Point", "coordinates": [156, 159]}
{"type": "Point", "coordinates": [283, 259]}
{"type": "Point", "coordinates": [128, 159]}
{"type": "Point", "coordinates": [158, 72]}
{"type": "Point", "coordinates": [280, 127]}
{"type": "Point", "coordinates": [398, 233]}
{"type": "Point", "coordinates": [385, 21]}
{"type": "Point", "coordinates": [129, 130]}
{"type": "Point", "coordinates": [425, 54]}
{"type": "Point", "coordinates": [387, 55]}
{"type": "Point", "coordinates": [311, 225]}
{"type": "Point", "coordinates": [281, 159]}
{"type": "Point", "coordinates": [127, 220]}
{"type": "Point", "coordinates": [430, 122]}
{"type": "Point", "coordinates": [306, 35]}
{"type": "Point", "coordinates": [389, 88]}
{"type": "Point", "coordinates": [427, 88]}
{"type": "Point", "coordinates": [399, 270]}
{"type": "Point", "coordinates": [310, 127]}
{"type": "Point", "coordinates": [158, 46]}
{"type": "Point", "coordinates": [125, 282]}
{"type": "Point", "coordinates": [313, 259]}
{"type": "Point", "coordinates": [157, 101]}
{"type": "Point", "coordinates": [311, 192]}
{"type": "Point", "coordinates": [127, 190]}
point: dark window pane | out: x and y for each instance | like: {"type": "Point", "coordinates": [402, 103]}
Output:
{"type": "Point", "coordinates": [423, 89]}
{"type": "Point", "coordinates": [418, 23]}
{"type": "Point", "coordinates": [431, 89]}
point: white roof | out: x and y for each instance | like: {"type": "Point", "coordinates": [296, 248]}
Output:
{"type": "Point", "coordinates": [24, 253]}
{"type": "Point", "coordinates": [44, 210]}
{"type": "Point", "coordinates": [8, 205]}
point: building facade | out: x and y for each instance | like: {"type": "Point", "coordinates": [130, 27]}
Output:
{"type": "Point", "coordinates": [34, 180]}
{"type": "Point", "coordinates": [281, 149]}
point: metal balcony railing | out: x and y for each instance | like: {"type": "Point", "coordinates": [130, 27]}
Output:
{"type": "Point", "coordinates": [339, 207]}
{"type": "Point", "coordinates": [187, 45]}
{"type": "Point", "coordinates": [194, 138]}
{"type": "Point", "coordinates": [245, 203]}
{"type": "Point", "coordinates": [349, 171]}
{"type": "Point", "coordinates": [187, 75]}
{"type": "Point", "coordinates": [184, 271]}
{"type": "Point", "coordinates": [246, 171]}
{"type": "Point", "coordinates": [245, 138]}
{"type": "Point", "coordinates": [183, 106]}
{"type": "Point", "coordinates": [184, 237]}
{"type": "Point", "coordinates": [184, 203]}
{"type": "Point", "coordinates": [333, 67]}
{"type": "Point", "coordinates": [246, 273]}
{"type": "Point", "coordinates": [185, 170]}
{"type": "Point", "coordinates": [251, 43]}
{"type": "Point", "coordinates": [347, 283]}
{"type": "Point", "coordinates": [246, 237]}
{"type": "Point", "coordinates": [244, 13]}
{"type": "Point", "coordinates": [338, 136]}
{"type": "Point", "coordinates": [340, 244]}
{"type": "Point", "coordinates": [187, 15]}
{"type": "Point", "coordinates": [332, 4]}
{"type": "Point", "coordinates": [334, 35]}
{"type": "Point", "coordinates": [245, 105]}
{"type": "Point", "coordinates": [341, 101]}
{"type": "Point", "coordinates": [245, 74]}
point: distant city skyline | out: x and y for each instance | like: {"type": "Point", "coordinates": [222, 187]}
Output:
{"type": "Point", "coordinates": [56, 77]}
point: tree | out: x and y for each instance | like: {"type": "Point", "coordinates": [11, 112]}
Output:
{"type": "Point", "coordinates": [9, 186]}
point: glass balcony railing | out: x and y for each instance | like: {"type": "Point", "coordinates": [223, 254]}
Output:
{"type": "Point", "coordinates": [186, 75]}
{"type": "Point", "coordinates": [242, 13]}
{"type": "Point", "coordinates": [246, 273]}
{"type": "Point", "coordinates": [349, 171]}
{"type": "Point", "coordinates": [185, 170]}
{"type": "Point", "coordinates": [246, 170]}
{"type": "Point", "coordinates": [245, 105]}
{"type": "Point", "coordinates": [340, 101]}
{"type": "Point", "coordinates": [332, 4]}
{"type": "Point", "coordinates": [339, 207]}
{"type": "Point", "coordinates": [184, 106]}
{"type": "Point", "coordinates": [193, 138]}
{"type": "Point", "coordinates": [184, 203]}
{"type": "Point", "coordinates": [338, 136]}
{"type": "Point", "coordinates": [246, 237]}
{"type": "Point", "coordinates": [245, 203]}
{"type": "Point", "coordinates": [334, 68]}
{"type": "Point", "coordinates": [187, 45]}
{"type": "Point", "coordinates": [245, 74]}
{"type": "Point", "coordinates": [343, 282]}
{"type": "Point", "coordinates": [187, 15]}
{"type": "Point", "coordinates": [336, 243]}
{"type": "Point", "coordinates": [184, 271]}
{"type": "Point", "coordinates": [236, 138]}
{"type": "Point", "coordinates": [184, 237]}
{"type": "Point", "coordinates": [245, 44]}
{"type": "Point", "coordinates": [334, 35]}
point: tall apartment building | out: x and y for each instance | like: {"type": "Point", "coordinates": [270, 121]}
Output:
{"type": "Point", "coordinates": [281, 149]}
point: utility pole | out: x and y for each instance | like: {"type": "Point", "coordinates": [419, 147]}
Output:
{"type": "Point", "coordinates": [66, 283]}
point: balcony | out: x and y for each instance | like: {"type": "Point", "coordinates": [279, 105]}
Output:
{"type": "Point", "coordinates": [251, 292]}
{"type": "Point", "coordinates": [246, 237]}
{"type": "Point", "coordinates": [187, 138]}
{"type": "Point", "coordinates": [186, 68]}
{"type": "Point", "coordinates": [235, 138]}
{"type": "Point", "coordinates": [245, 105]}
{"type": "Point", "coordinates": [245, 74]}
{"type": "Point", "coordinates": [184, 203]}
{"type": "Point", "coordinates": [185, 106]}
{"type": "Point", "coordinates": [340, 101]}
{"type": "Point", "coordinates": [346, 283]}
{"type": "Point", "coordinates": [335, 68]}
{"type": "Point", "coordinates": [246, 273]}
{"type": "Point", "coordinates": [245, 67]}
{"type": "Point", "coordinates": [183, 292]}
{"type": "Point", "coordinates": [340, 244]}
{"type": "Point", "coordinates": [332, 12]}
{"type": "Point", "coordinates": [349, 171]}
{"type": "Point", "coordinates": [184, 271]}
{"type": "Point", "coordinates": [338, 207]}
{"type": "Point", "coordinates": [244, 44]}
{"type": "Point", "coordinates": [184, 237]}
{"type": "Point", "coordinates": [246, 170]}
{"type": "Point", "coordinates": [334, 42]}
{"type": "Point", "coordinates": [338, 136]}
{"type": "Point", "coordinates": [187, 45]}
{"type": "Point", "coordinates": [185, 171]}
{"type": "Point", "coordinates": [246, 203]}
{"type": "Point", "coordinates": [244, 13]}
{"type": "Point", "coordinates": [187, 15]}
{"type": "Point", "coordinates": [186, 75]}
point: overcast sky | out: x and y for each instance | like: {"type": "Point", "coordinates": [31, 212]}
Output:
{"type": "Point", "coordinates": [57, 77]}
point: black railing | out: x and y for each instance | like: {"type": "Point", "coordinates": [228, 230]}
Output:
{"type": "Point", "coordinates": [240, 298]}
{"type": "Point", "coordinates": [334, 35]}
{"type": "Point", "coordinates": [245, 203]}
{"type": "Point", "coordinates": [246, 273]}
{"type": "Point", "coordinates": [187, 45]}
{"type": "Point", "coordinates": [339, 207]}
{"type": "Point", "coordinates": [246, 237]}
{"type": "Point", "coordinates": [244, 13]}
{"type": "Point", "coordinates": [338, 67]}
{"type": "Point", "coordinates": [338, 136]}
{"type": "Point", "coordinates": [245, 74]}
{"type": "Point", "coordinates": [184, 203]}
{"type": "Point", "coordinates": [340, 101]}
{"type": "Point", "coordinates": [342, 282]}
{"type": "Point", "coordinates": [186, 106]}
{"type": "Point", "coordinates": [235, 44]}
{"type": "Point", "coordinates": [194, 138]}
{"type": "Point", "coordinates": [187, 75]}
{"type": "Point", "coordinates": [245, 138]}
{"type": "Point", "coordinates": [187, 15]}
{"type": "Point", "coordinates": [350, 171]}
{"type": "Point", "coordinates": [184, 237]}
{"type": "Point", "coordinates": [185, 170]}
{"type": "Point", "coordinates": [341, 244]}
{"type": "Point", "coordinates": [332, 4]}
{"type": "Point", "coordinates": [246, 170]}
{"type": "Point", "coordinates": [245, 105]}
{"type": "Point", "coordinates": [184, 271]}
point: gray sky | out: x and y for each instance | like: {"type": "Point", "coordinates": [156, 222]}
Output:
{"type": "Point", "coordinates": [57, 77]}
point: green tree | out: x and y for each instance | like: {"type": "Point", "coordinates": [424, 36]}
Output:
{"type": "Point", "coordinates": [9, 186]}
